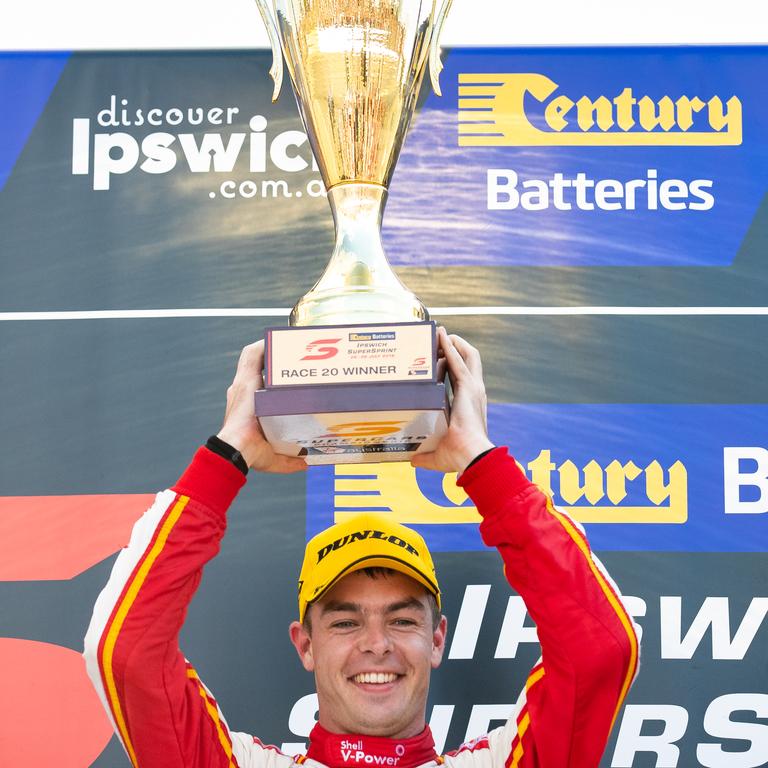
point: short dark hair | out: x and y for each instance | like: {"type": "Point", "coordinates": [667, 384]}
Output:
{"type": "Point", "coordinates": [376, 572]}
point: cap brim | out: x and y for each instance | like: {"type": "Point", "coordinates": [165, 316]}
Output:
{"type": "Point", "coordinates": [381, 561]}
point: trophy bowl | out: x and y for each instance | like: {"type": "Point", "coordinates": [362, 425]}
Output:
{"type": "Point", "coordinates": [354, 378]}
{"type": "Point", "coordinates": [356, 68]}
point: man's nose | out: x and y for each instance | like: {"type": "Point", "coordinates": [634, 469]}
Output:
{"type": "Point", "coordinates": [375, 638]}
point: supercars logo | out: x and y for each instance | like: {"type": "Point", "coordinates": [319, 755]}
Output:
{"type": "Point", "coordinates": [418, 367]}
{"type": "Point", "coordinates": [322, 349]}
{"type": "Point", "coordinates": [494, 110]}
{"type": "Point", "coordinates": [357, 429]}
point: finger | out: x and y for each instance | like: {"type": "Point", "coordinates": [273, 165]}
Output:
{"type": "Point", "coordinates": [446, 364]}
{"type": "Point", "coordinates": [252, 356]}
{"type": "Point", "coordinates": [470, 355]}
{"type": "Point", "coordinates": [443, 365]}
{"type": "Point", "coordinates": [440, 352]}
{"type": "Point", "coordinates": [424, 460]}
{"type": "Point", "coordinates": [251, 363]}
{"type": "Point", "coordinates": [286, 464]}
{"type": "Point", "coordinates": [456, 365]}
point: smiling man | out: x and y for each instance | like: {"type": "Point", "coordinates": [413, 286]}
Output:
{"type": "Point", "coordinates": [369, 624]}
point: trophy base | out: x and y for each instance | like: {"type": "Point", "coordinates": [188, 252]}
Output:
{"type": "Point", "coordinates": [355, 423]}
{"type": "Point", "coordinates": [353, 393]}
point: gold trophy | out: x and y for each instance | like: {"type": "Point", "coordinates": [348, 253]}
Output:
{"type": "Point", "coordinates": [366, 387]}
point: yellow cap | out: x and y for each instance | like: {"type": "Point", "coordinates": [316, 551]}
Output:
{"type": "Point", "coordinates": [363, 541]}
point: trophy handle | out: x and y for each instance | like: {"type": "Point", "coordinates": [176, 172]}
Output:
{"type": "Point", "coordinates": [435, 65]}
{"type": "Point", "coordinates": [276, 70]}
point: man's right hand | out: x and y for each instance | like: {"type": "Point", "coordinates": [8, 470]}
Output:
{"type": "Point", "coordinates": [241, 428]}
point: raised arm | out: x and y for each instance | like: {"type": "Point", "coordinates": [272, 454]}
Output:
{"type": "Point", "coordinates": [588, 642]}
{"type": "Point", "coordinates": [161, 711]}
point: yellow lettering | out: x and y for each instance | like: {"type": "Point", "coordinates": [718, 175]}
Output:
{"type": "Point", "coordinates": [650, 118]}
{"type": "Point", "coordinates": [541, 469]}
{"type": "Point", "coordinates": [685, 109]}
{"type": "Point", "coordinates": [571, 490]}
{"type": "Point", "coordinates": [555, 111]}
{"type": "Point", "coordinates": [729, 118]}
{"type": "Point", "coordinates": [616, 475]}
{"type": "Point", "coordinates": [586, 109]}
{"type": "Point", "coordinates": [676, 491]}
{"type": "Point", "coordinates": [395, 486]}
{"type": "Point", "coordinates": [492, 113]}
{"type": "Point", "coordinates": [624, 103]}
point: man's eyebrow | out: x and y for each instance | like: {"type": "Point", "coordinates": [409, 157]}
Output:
{"type": "Point", "coordinates": [401, 605]}
{"type": "Point", "coordinates": [336, 606]}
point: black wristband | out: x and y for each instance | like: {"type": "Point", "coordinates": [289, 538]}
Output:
{"type": "Point", "coordinates": [478, 457]}
{"type": "Point", "coordinates": [228, 452]}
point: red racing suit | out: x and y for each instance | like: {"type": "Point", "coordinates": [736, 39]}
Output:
{"type": "Point", "coordinates": [166, 718]}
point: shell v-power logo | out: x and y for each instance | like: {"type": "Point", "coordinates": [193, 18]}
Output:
{"type": "Point", "coordinates": [529, 109]}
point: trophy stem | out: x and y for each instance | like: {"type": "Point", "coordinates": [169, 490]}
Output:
{"type": "Point", "coordinates": [358, 285]}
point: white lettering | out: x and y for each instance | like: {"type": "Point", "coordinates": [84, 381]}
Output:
{"type": "Point", "coordinates": [717, 722]}
{"type": "Point", "coordinates": [513, 630]}
{"type": "Point", "coordinates": [278, 152]}
{"type": "Point", "coordinates": [502, 192]}
{"type": "Point", "coordinates": [483, 715]}
{"type": "Point", "coordinates": [629, 741]}
{"type": "Point", "coordinates": [439, 724]}
{"type": "Point", "coordinates": [300, 722]}
{"type": "Point", "coordinates": [160, 157]}
{"type": "Point", "coordinates": [506, 192]}
{"type": "Point", "coordinates": [736, 478]}
{"type": "Point", "coordinates": [469, 621]}
{"type": "Point", "coordinates": [81, 145]}
{"type": "Point", "coordinates": [104, 164]}
{"type": "Point", "coordinates": [211, 148]}
{"type": "Point", "coordinates": [714, 612]}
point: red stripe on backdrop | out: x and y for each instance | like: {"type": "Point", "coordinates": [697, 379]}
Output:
{"type": "Point", "coordinates": [49, 709]}
{"type": "Point", "coordinates": [59, 537]}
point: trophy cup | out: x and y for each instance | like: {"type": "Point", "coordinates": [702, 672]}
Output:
{"type": "Point", "coordinates": [355, 376]}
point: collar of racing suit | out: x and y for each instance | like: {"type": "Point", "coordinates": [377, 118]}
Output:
{"type": "Point", "coordinates": [343, 750]}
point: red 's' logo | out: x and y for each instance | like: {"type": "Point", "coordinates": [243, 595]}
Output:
{"type": "Point", "coordinates": [321, 352]}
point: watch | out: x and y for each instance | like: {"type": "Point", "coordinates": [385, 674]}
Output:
{"type": "Point", "coordinates": [228, 452]}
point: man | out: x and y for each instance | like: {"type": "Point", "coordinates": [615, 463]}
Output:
{"type": "Point", "coordinates": [369, 624]}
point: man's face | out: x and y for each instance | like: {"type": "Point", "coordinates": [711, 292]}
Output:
{"type": "Point", "coordinates": [372, 647]}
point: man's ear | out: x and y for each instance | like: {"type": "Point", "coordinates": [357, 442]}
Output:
{"type": "Point", "coordinates": [302, 642]}
{"type": "Point", "coordinates": [438, 642]}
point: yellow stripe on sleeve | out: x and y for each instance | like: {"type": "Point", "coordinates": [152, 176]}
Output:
{"type": "Point", "coordinates": [517, 753]}
{"type": "Point", "coordinates": [213, 712]}
{"type": "Point", "coordinates": [612, 599]}
{"type": "Point", "coordinates": [536, 674]}
{"type": "Point", "coordinates": [522, 726]}
{"type": "Point", "coordinates": [122, 612]}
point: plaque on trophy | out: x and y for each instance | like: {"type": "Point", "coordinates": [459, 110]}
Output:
{"type": "Point", "coordinates": [355, 377]}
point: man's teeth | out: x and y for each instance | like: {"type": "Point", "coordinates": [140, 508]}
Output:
{"type": "Point", "coordinates": [375, 677]}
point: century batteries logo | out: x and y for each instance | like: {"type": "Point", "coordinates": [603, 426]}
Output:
{"type": "Point", "coordinates": [530, 109]}
{"type": "Point", "coordinates": [494, 111]}
{"type": "Point", "coordinates": [614, 492]}
{"type": "Point", "coordinates": [373, 336]}
{"type": "Point", "coordinates": [122, 138]}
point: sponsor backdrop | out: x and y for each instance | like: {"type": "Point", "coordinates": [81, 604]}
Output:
{"type": "Point", "coordinates": [594, 220]}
